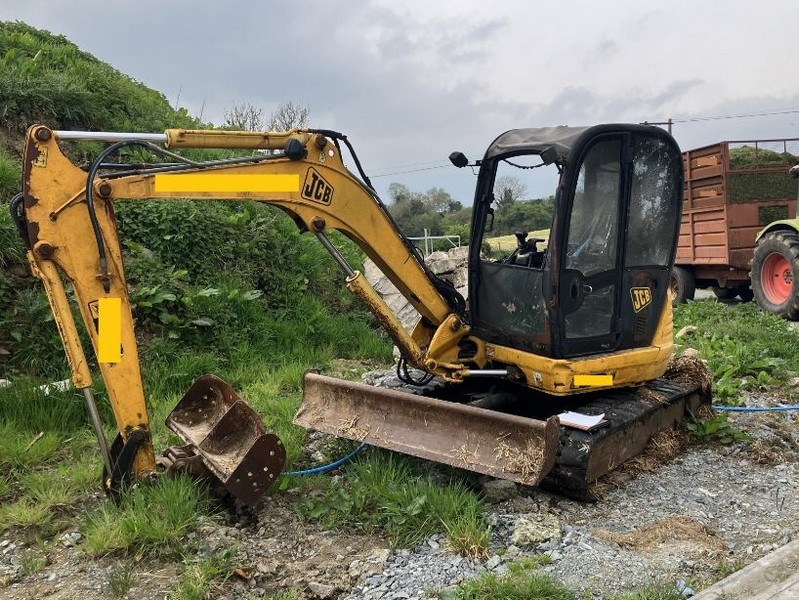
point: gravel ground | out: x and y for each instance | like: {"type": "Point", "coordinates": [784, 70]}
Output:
{"type": "Point", "coordinates": [711, 506]}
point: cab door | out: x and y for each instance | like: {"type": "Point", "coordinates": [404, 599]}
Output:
{"type": "Point", "coordinates": [620, 233]}
{"type": "Point", "coordinates": [590, 273]}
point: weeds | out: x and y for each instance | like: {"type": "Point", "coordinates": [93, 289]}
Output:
{"type": "Point", "coordinates": [746, 349]}
{"type": "Point", "coordinates": [29, 407]}
{"type": "Point", "coordinates": [728, 567]}
{"type": "Point", "coordinates": [32, 561]}
{"type": "Point", "coordinates": [120, 579]}
{"type": "Point", "coordinates": [716, 428]}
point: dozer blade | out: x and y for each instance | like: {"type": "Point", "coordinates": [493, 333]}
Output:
{"type": "Point", "coordinates": [229, 438]}
{"type": "Point", "coordinates": [485, 441]}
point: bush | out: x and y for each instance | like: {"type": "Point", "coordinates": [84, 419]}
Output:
{"type": "Point", "coordinates": [10, 178]}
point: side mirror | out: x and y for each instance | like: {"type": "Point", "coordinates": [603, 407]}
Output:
{"type": "Point", "coordinates": [458, 159]}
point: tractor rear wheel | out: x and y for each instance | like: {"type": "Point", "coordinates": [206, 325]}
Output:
{"type": "Point", "coordinates": [775, 274]}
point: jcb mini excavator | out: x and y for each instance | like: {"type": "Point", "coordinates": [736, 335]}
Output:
{"type": "Point", "coordinates": [584, 324]}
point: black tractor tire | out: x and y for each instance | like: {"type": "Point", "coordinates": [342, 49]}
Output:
{"type": "Point", "coordinates": [745, 293]}
{"type": "Point", "coordinates": [682, 285]}
{"type": "Point", "coordinates": [775, 274]}
{"type": "Point", "coordinates": [725, 293]}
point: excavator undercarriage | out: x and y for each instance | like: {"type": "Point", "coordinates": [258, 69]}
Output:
{"type": "Point", "coordinates": [503, 430]}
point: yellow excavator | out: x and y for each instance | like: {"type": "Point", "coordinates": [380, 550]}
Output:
{"type": "Point", "coordinates": [583, 325]}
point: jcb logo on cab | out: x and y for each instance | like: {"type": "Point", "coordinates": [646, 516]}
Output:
{"type": "Point", "coordinates": [642, 297]}
{"type": "Point", "coordinates": [316, 188]}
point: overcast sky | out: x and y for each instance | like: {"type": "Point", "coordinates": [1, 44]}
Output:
{"type": "Point", "coordinates": [411, 81]}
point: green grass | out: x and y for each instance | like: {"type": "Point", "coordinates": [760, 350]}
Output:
{"type": "Point", "coordinates": [10, 176]}
{"type": "Point", "coordinates": [289, 595]}
{"type": "Point", "coordinates": [203, 576]}
{"type": "Point", "coordinates": [666, 591]}
{"type": "Point", "coordinates": [32, 561]}
{"type": "Point", "coordinates": [150, 518]}
{"type": "Point", "coordinates": [44, 478]}
{"type": "Point", "coordinates": [23, 449]}
{"type": "Point", "coordinates": [25, 514]}
{"type": "Point", "coordinates": [120, 579]}
{"type": "Point", "coordinates": [529, 563]}
{"type": "Point", "coordinates": [31, 409]}
{"type": "Point", "coordinates": [523, 585]}
{"type": "Point", "coordinates": [389, 493]}
{"type": "Point", "coordinates": [745, 349]}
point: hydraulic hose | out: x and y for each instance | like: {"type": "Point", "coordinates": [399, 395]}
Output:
{"type": "Point", "coordinates": [756, 408]}
{"type": "Point", "coordinates": [329, 466]}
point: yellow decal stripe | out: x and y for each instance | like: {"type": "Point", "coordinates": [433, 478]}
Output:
{"type": "Point", "coordinates": [593, 380]}
{"type": "Point", "coordinates": [109, 330]}
{"type": "Point", "coordinates": [215, 182]}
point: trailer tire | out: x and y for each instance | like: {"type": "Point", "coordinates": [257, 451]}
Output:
{"type": "Point", "coordinates": [725, 293]}
{"type": "Point", "coordinates": [775, 274]}
{"type": "Point", "coordinates": [682, 285]}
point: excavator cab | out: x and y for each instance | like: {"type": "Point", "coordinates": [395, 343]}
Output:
{"type": "Point", "coordinates": [602, 282]}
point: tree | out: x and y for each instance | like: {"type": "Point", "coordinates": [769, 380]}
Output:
{"type": "Point", "coordinates": [289, 116]}
{"type": "Point", "coordinates": [440, 201]}
{"type": "Point", "coordinates": [507, 190]}
{"type": "Point", "coordinates": [248, 117]}
{"type": "Point", "coordinates": [245, 117]}
{"type": "Point", "coordinates": [416, 211]}
{"type": "Point", "coordinates": [528, 215]}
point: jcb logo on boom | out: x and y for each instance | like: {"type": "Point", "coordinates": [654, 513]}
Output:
{"type": "Point", "coordinates": [642, 297]}
{"type": "Point", "coordinates": [316, 188]}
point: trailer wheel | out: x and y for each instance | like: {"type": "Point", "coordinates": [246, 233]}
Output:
{"type": "Point", "coordinates": [725, 293]}
{"type": "Point", "coordinates": [682, 285]}
{"type": "Point", "coordinates": [775, 274]}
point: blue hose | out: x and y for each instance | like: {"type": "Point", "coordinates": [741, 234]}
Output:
{"type": "Point", "coordinates": [330, 466]}
{"type": "Point", "coordinates": [755, 408]}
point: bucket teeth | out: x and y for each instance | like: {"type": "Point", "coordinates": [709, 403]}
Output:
{"type": "Point", "coordinates": [229, 438]}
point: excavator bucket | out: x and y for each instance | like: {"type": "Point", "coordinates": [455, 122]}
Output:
{"type": "Point", "coordinates": [228, 438]}
{"type": "Point", "coordinates": [485, 441]}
